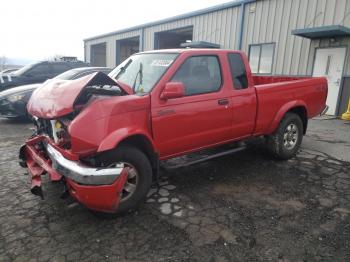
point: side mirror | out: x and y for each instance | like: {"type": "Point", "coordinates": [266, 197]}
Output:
{"type": "Point", "coordinates": [173, 90]}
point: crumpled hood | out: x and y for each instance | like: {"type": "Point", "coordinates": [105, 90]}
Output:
{"type": "Point", "coordinates": [56, 98]}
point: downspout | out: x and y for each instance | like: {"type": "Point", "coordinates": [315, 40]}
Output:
{"type": "Point", "coordinates": [241, 26]}
{"type": "Point", "coordinates": [141, 44]}
{"type": "Point", "coordinates": [85, 52]}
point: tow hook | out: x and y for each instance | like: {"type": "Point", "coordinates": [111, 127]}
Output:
{"type": "Point", "coordinates": [65, 193]}
{"type": "Point", "coordinates": [36, 190]}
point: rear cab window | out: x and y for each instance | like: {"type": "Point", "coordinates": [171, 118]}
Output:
{"type": "Point", "coordinates": [238, 71]}
{"type": "Point", "coordinates": [199, 75]}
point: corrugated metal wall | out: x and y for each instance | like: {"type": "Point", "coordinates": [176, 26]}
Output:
{"type": "Point", "coordinates": [110, 46]}
{"type": "Point", "coordinates": [217, 27]}
{"type": "Point", "coordinates": [273, 20]}
{"type": "Point", "coordinates": [265, 21]}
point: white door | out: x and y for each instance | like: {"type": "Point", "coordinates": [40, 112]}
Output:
{"type": "Point", "coordinates": [329, 62]}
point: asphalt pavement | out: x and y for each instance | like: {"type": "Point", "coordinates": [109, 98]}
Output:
{"type": "Point", "coordinates": [242, 207]}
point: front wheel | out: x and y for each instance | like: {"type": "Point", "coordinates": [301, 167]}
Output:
{"type": "Point", "coordinates": [139, 175]}
{"type": "Point", "coordinates": [286, 140]}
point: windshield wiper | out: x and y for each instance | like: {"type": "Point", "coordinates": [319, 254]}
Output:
{"type": "Point", "coordinates": [139, 73]}
{"type": "Point", "coordinates": [122, 69]}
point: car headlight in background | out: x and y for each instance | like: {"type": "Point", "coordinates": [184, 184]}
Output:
{"type": "Point", "coordinates": [16, 97]}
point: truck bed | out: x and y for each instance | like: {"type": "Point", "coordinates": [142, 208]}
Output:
{"type": "Point", "coordinates": [263, 80]}
{"type": "Point", "coordinates": [275, 93]}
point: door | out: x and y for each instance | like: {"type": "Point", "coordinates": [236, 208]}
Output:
{"type": "Point", "coordinates": [202, 117]}
{"type": "Point", "coordinates": [329, 62]}
{"type": "Point", "coordinates": [243, 98]}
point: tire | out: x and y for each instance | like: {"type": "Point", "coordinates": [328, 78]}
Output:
{"type": "Point", "coordinates": [285, 142]}
{"type": "Point", "coordinates": [136, 159]}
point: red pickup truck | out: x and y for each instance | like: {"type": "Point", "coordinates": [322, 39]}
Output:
{"type": "Point", "coordinates": [104, 136]}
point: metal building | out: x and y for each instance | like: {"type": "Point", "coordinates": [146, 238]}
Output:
{"type": "Point", "coordinates": [281, 37]}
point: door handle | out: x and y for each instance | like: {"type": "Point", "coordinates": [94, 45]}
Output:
{"type": "Point", "coordinates": [223, 102]}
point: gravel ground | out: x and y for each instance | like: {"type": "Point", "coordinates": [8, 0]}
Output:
{"type": "Point", "coordinates": [242, 207]}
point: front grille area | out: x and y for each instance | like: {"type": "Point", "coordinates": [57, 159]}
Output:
{"type": "Point", "coordinates": [60, 137]}
{"type": "Point", "coordinates": [44, 127]}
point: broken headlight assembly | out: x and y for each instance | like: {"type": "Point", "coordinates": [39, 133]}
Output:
{"type": "Point", "coordinates": [16, 97]}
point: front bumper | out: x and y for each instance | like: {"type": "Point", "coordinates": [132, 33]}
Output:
{"type": "Point", "coordinates": [96, 188]}
{"type": "Point", "coordinates": [79, 173]}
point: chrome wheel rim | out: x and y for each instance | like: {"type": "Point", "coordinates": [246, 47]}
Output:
{"type": "Point", "coordinates": [131, 180]}
{"type": "Point", "coordinates": [290, 136]}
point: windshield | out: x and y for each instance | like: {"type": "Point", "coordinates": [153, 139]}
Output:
{"type": "Point", "coordinates": [24, 69]}
{"type": "Point", "coordinates": [142, 71]}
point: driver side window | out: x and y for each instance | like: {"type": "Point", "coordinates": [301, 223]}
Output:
{"type": "Point", "coordinates": [199, 75]}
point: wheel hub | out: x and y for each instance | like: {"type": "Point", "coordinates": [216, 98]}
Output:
{"type": "Point", "coordinates": [130, 183]}
{"type": "Point", "coordinates": [290, 136]}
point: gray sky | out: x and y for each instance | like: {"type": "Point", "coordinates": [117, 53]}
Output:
{"type": "Point", "coordinates": [38, 29]}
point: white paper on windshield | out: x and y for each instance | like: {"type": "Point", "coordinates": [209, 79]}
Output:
{"type": "Point", "coordinates": [161, 62]}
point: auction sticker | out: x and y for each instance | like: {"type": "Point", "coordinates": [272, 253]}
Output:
{"type": "Point", "coordinates": [161, 62]}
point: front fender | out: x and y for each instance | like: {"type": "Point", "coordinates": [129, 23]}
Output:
{"type": "Point", "coordinates": [282, 111]}
{"type": "Point", "coordinates": [114, 138]}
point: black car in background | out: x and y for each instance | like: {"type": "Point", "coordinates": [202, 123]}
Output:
{"type": "Point", "coordinates": [13, 102]}
{"type": "Point", "coordinates": [8, 71]}
{"type": "Point", "coordinates": [37, 72]}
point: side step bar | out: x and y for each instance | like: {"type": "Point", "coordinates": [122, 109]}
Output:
{"type": "Point", "coordinates": [196, 158]}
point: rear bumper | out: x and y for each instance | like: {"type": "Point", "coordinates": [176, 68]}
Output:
{"type": "Point", "coordinates": [96, 188]}
{"type": "Point", "coordinates": [324, 111]}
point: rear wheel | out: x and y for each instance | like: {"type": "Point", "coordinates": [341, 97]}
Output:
{"type": "Point", "coordinates": [286, 140]}
{"type": "Point", "coordinates": [139, 175]}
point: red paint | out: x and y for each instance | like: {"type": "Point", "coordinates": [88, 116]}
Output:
{"type": "Point", "coordinates": [172, 126]}
{"type": "Point", "coordinates": [100, 198]}
{"type": "Point", "coordinates": [55, 98]}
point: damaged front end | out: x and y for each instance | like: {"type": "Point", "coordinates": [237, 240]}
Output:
{"type": "Point", "coordinates": [54, 107]}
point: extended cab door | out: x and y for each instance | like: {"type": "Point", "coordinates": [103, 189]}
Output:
{"type": "Point", "coordinates": [243, 95]}
{"type": "Point", "coordinates": [200, 118]}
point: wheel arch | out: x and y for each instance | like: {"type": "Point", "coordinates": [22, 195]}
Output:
{"type": "Point", "coordinates": [302, 113]}
{"type": "Point", "coordinates": [298, 107]}
{"type": "Point", "coordinates": [139, 140]}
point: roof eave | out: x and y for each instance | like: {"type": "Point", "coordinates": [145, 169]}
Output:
{"type": "Point", "coordinates": [174, 18]}
{"type": "Point", "coordinates": [322, 32]}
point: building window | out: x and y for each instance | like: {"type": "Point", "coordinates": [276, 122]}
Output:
{"type": "Point", "coordinates": [238, 72]}
{"type": "Point", "coordinates": [261, 58]}
{"type": "Point", "coordinates": [199, 75]}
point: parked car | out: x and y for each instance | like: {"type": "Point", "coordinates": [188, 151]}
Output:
{"type": "Point", "coordinates": [13, 102]}
{"type": "Point", "coordinates": [37, 73]}
{"type": "Point", "coordinates": [104, 137]}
